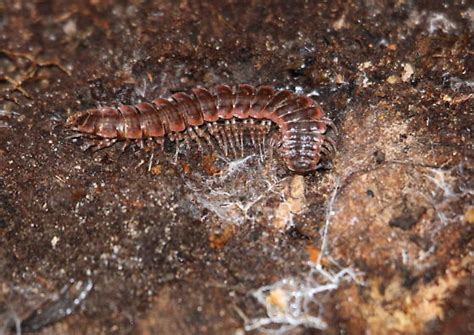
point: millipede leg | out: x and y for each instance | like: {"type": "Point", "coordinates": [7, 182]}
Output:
{"type": "Point", "coordinates": [325, 151]}
{"type": "Point", "coordinates": [265, 130]}
{"type": "Point", "coordinates": [149, 144]}
{"type": "Point", "coordinates": [331, 142]}
{"type": "Point", "coordinates": [88, 143]}
{"type": "Point", "coordinates": [176, 154]}
{"type": "Point", "coordinates": [214, 131]}
{"type": "Point", "coordinates": [252, 138]}
{"type": "Point", "coordinates": [125, 145]}
{"type": "Point", "coordinates": [241, 134]}
{"type": "Point", "coordinates": [192, 134]}
{"type": "Point", "coordinates": [237, 136]}
{"type": "Point", "coordinates": [150, 162]}
{"type": "Point", "coordinates": [160, 142]}
{"type": "Point", "coordinates": [228, 133]}
{"type": "Point", "coordinates": [101, 144]}
{"type": "Point", "coordinates": [260, 145]}
{"type": "Point", "coordinates": [331, 125]}
{"type": "Point", "coordinates": [223, 136]}
{"type": "Point", "coordinates": [76, 135]}
{"type": "Point", "coordinates": [186, 138]}
{"type": "Point", "coordinates": [252, 133]}
{"type": "Point", "coordinates": [271, 145]}
{"type": "Point", "coordinates": [264, 127]}
{"type": "Point", "coordinates": [208, 139]}
{"type": "Point", "coordinates": [258, 133]}
{"type": "Point", "coordinates": [203, 133]}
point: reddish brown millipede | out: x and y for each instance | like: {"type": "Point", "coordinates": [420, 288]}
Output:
{"type": "Point", "coordinates": [213, 115]}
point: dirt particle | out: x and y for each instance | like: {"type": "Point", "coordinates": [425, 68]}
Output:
{"type": "Point", "coordinates": [186, 167]}
{"type": "Point", "coordinates": [209, 164]}
{"type": "Point", "coordinates": [340, 79]}
{"type": "Point", "coordinates": [407, 219]}
{"type": "Point", "coordinates": [421, 242]}
{"type": "Point", "coordinates": [340, 23]}
{"type": "Point", "coordinates": [469, 215]}
{"type": "Point", "coordinates": [70, 28]}
{"type": "Point", "coordinates": [218, 240]}
{"type": "Point", "coordinates": [408, 71]}
{"type": "Point", "coordinates": [379, 156]}
{"type": "Point", "coordinates": [135, 204]}
{"type": "Point", "coordinates": [295, 232]}
{"type": "Point", "coordinates": [54, 241]}
{"type": "Point", "coordinates": [156, 170]}
{"type": "Point", "coordinates": [277, 299]}
{"type": "Point", "coordinates": [393, 79]}
{"type": "Point", "coordinates": [294, 203]}
{"type": "Point", "coordinates": [314, 254]}
{"type": "Point", "coordinates": [365, 65]}
{"type": "Point", "coordinates": [392, 47]}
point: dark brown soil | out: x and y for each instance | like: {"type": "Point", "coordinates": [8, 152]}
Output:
{"type": "Point", "coordinates": [98, 243]}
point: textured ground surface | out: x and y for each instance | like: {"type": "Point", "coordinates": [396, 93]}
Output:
{"type": "Point", "coordinates": [198, 245]}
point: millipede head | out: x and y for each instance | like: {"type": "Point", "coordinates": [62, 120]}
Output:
{"type": "Point", "coordinates": [76, 119]}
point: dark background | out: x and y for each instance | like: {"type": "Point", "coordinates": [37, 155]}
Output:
{"type": "Point", "coordinates": [180, 248]}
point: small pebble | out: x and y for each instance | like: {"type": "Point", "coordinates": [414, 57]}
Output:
{"type": "Point", "coordinates": [393, 79]}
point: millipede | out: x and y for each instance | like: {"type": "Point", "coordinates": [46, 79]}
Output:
{"type": "Point", "coordinates": [224, 115]}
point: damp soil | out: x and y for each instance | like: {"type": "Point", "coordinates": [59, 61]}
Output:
{"type": "Point", "coordinates": [141, 242]}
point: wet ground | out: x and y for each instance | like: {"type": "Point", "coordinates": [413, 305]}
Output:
{"type": "Point", "coordinates": [143, 243]}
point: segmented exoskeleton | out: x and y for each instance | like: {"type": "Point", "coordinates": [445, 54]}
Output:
{"type": "Point", "coordinates": [213, 116]}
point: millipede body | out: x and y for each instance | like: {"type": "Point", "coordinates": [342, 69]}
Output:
{"type": "Point", "coordinates": [224, 115]}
